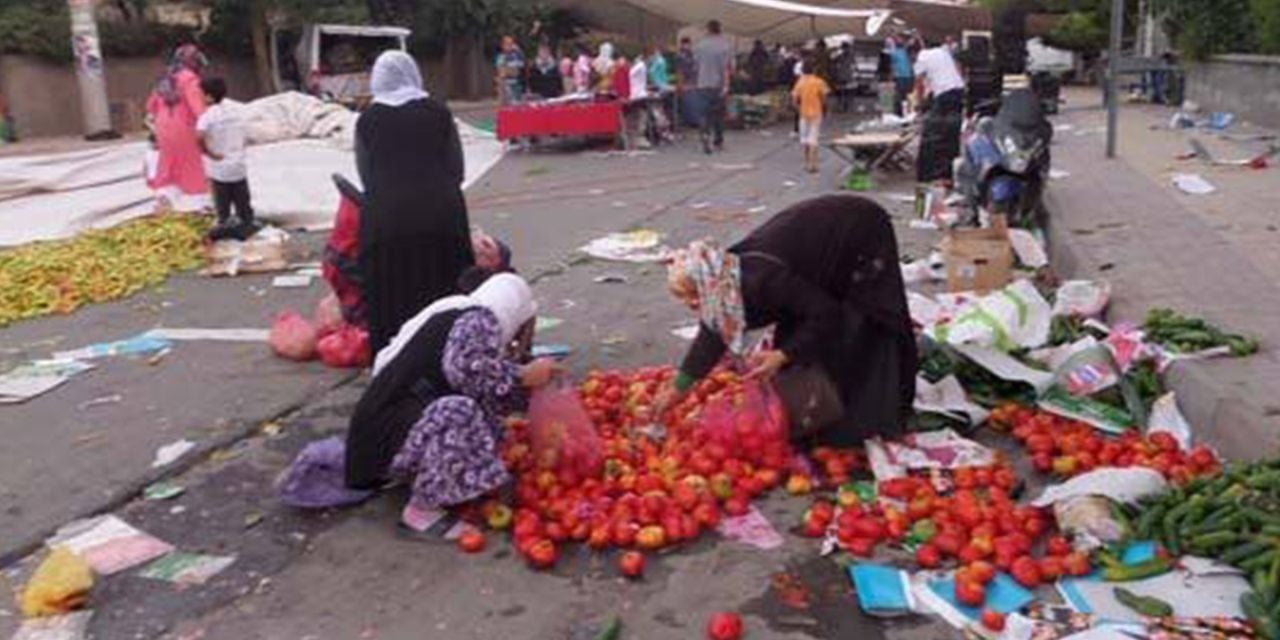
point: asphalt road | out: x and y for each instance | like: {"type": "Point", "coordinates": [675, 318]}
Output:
{"type": "Point", "coordinates": [347, 574]}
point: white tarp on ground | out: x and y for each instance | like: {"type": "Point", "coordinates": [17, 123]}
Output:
{"type": "Point", "coordinates": [299, 142]}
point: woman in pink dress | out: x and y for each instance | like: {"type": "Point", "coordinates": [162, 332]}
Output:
{"type": "Point", "coordinates": [175, 104]}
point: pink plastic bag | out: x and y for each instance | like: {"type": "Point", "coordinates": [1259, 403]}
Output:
{"type": "Point", "coordinates": [561, 434]}
{"type": "Point", "coordinates": [328, 315]}
{"type": "Point", "coordinates": [293, 337]}
{"type": "Point", "coordinates": [747, 422]}
{"type": "Point", "coordinates": [346, 348]}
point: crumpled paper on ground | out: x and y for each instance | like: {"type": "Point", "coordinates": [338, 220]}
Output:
{"type": "Point", "coordinates": [941, 449]}
{"type": "Point", "coordinates": [1016, 316]}
{"type": "Point", "coordinates": [641, 245]}
{"type": "Point", "coordinates": [947, 397]}
{"type": "Point", "coordinates": [1120, 484]}
{"type": "Point", "coordinates": [60, 584]}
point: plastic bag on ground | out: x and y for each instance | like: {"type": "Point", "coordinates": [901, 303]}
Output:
{"type": "Point", "coordinates": [328, 315]}
{"type": "Point", "coordinates": [60, 584]}
{"type": "Point", "coordinates": [346, 348]}
{"type": "Point", "coordinates": [316, 479]}
{"type": "Point", "coordinates": [561, 434]}
{"type": "Point", "coordinates": [293, 337]}
{"type": "Point", "coordinates": [744, 423]}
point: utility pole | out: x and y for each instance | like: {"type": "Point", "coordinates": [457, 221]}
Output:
{"type": "Point", "coordinates": [89, 71]}
{"type": "Point", "coordinates": [1113, 75]}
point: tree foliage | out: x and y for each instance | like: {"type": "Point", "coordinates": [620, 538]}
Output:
{"type": "Point", "coordinates": [1202, 28]}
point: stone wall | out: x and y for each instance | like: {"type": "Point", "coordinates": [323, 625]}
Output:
{"type": "Point", "coordinates": [1248, 86]}
{"type": "Point", "coordinates": [44, 100]}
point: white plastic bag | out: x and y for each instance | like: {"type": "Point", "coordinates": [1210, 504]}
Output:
{"type": "Point", "coordinates": [1016, 316]}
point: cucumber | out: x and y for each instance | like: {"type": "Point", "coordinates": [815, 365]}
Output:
{"type": "Point", "coordinates": [1244, 551]}
{"type": "Point", "coordinates": [1145, 605]}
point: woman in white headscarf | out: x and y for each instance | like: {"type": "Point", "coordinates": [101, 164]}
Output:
{"type": "Point", "coordinates": [415, 238]}
{"type": "Point", "coordinates": [602, 67]}
{"type": "Point", "coordinates": [432, 416]}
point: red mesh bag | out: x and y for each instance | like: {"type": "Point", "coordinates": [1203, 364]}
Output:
{"type": "Point", "coordinates": [293, 336]}
{"type": "Point", "coordinates": [328, 315]}
{"type": "Point", "coordinates": [749, 423]}
{"type": "Point", "coordinates": [346, 348]}
{"type": "Point", "coordinates": [561, 435]}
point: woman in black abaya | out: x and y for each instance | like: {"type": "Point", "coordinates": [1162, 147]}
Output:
{"type": "Point", "coordinates": [415, 239]}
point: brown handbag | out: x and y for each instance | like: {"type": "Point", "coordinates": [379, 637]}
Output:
{"type": "Point", "coordinates": [812, 400]}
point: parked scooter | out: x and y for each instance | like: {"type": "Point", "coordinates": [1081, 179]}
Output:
{"type": "Point", "coordinates": [1004, 163]}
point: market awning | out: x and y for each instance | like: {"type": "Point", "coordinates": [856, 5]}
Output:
{"type": "Point", "coordinates": [772, 20]}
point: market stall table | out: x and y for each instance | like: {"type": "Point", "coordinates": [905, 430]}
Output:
{"type": "Point", "coordinates": [872, 150]}
{"type": "Point", "coordinates": [563, 119]}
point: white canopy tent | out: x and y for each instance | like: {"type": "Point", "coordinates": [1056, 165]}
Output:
{"type": "Point", "coordinates": [773, 20]}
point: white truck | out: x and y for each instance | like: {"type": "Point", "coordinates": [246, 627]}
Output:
{"type": "Point", "coordinates": [331, 61]}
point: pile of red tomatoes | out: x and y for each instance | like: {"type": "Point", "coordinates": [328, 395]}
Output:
{"type": "Point", "coordinates": [650, 493]}
{"type": "Point", "coordinates": [1066, 447]}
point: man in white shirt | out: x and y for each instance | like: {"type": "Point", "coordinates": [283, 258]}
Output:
{"type": "Point", "coordinates": [222, 140]}
{"type": "Point", "coordinates": [938, 77]}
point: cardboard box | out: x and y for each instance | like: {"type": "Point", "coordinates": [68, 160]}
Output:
{"type": "Point", "coordinates": [979, 259]}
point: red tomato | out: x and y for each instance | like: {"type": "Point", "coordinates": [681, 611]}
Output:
{"type": "Point", "coordinates": [631, 564]}
{"type": "Point", "coordinates": [981, 571]}
{"type": "Point", "coordinates": [1077, 564]}
{"type": "Point", "coordinates": [1164, 441]}
{"type": "Point", "coordinates": [471, 541]}
{"type": "Point", "coordinates": [1026, 572]}
{"type": "Point", "coordinates": [992, 620]}
{"type": "Point", "coordinates": [928, 556]}
{"type": "Point", "coordinates": [970, 593]}
{"type": "Point", "coordinates": [1051, 568]}
{"type": "Point", "coordinates": [862, 547]}
{"type": "Point", "coordinates": [542, 554]}
{"type": "Point", "coordinates": [1058, 546]}
{"type": "Point", "coordinates": [725, 625]}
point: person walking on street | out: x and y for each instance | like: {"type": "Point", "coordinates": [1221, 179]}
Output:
{"type": "Point", "coordinates": [173, 107]}
{"type": "Point", "coordinates": [904, 76]}
{"type": "Point", "coordinates": [415, 238]}
{"type": "Point", "coordinates": [714, 58]}
{"type": "Point", "coordinates": [810, 97]}
{"type": "Point", "coordinates": [686, 83]}
{"type": "Point", "coordinates": [222, 140]}
{"type": "Point", "coordinates": [757, 68]}
{"type": "Point", "coordinates": [938, 77]}
{"type": "Point", "coordinates": [510, 66]}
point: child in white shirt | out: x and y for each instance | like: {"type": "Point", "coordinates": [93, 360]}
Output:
{"type": "Point", "coordinates": [222, 139]}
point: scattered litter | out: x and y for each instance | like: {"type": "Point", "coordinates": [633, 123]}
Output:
{"type": "Point", "coordinates": [264, 252]}
{"type": "Point", "coordinates": [1192, 595]}
{"type": "Point", "coordinates": [791, 591]}
{"type": "Point", "coordinates": [163, 490]}
{"type": "Point", "coordinates": [253, 519]}
{"type": "Point", "coordinates": [89, 404]}
{"type": "Point", "coordinates": [136, 346]}
{"type": "Point", "coordinates": [109, 544]}
{"type": "Point", "coordinates": [30, 380]}
{"type": "Point", "coordinates": [169, 453]}
{"type": "Point", "coordinates": [272, 429]}
{"type": "Point", "coordinates": [421, 519]}
{"type": "Point", "coordinates": [73, 626]}
{"type": "Point", "coordinates": [551, 350]}
{"type": "Point", "coordinates": [1167, 417]}
{"type": "Point", "coordinates": [230, 453]}
{"type": "Point", "coordinates": [906, 198]}
{"type": "Point", "coordinates": [718, 166]}
{"type": "Point", "coordinates": [1028, 248]}
{"type": "Point", "coordinates": [642, 245]}
{"type": "Point", "coordinates": [923, 225]}
{"type": "Point", "coordinates": [618, 204]}
{"type": "Point", "coordinates": [177, 509]}
{"type": "Point", "coordinates": [789, 183]}
{"type": "Point", "coordinates": [610, 278]}
{"type": "Point", "coordinates": [1016, 316]}
{"type": "Point", "coordinates": [60, 584]}
{"type": "Point", "coordinates": [1193, 184]}
{"type": "Point", "coordinates": [1082, 298]}
{"type": "Point", "coordinates": [546, 323]}
{"type": "Point", "coordinates": [186, 568]}
{"type": "Point", "coordinates": [1058, 174]}
{"type": "Point", "coordinates": [928, 269]}
{"type": "Point", "coordinates": [758, 209]}
{"type": "Point", "coordinates": [614, 340]}
{"type": "Point", "coordinates": [1099, 415]}
{"type": "Point", "coordinates": [883, 591]}
{"type": "Point", "coordinates": [291, 282]}
{"type": "Point", "coordinates": [1066, 126]}
{"type": "Point", "coordinates": [948, 398]}
{"type": "Point", "coordinates": [752, 528]}
{"type": "Point", "coordinates": [595, 192]}
{"type": "Point", "coordinates": [941, 449]}
{"type": "Point", "coordinates": [1122, 485]}
{"type": "Point", "coordinates": [687, 332]}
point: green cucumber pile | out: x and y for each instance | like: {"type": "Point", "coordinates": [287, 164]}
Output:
{"type": "Point", "coordinates": [1184, 334]}
{"type": "Point", "coordinates": [1233, 517]}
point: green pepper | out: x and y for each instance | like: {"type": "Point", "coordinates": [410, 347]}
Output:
{"type": "Point", "coordinates": [1128, 573]}
{"type": "Point", "coordinates": [611, 631]}
{"type": "Point", "coordinates": [923, 531]}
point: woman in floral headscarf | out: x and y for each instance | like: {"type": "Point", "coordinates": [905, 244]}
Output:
{"type": "Point", "coordinates": [825, 274]}
{"type": "Point", "coordinates": [175, 104]}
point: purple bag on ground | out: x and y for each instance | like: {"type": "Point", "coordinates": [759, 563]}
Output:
{"type": "Point", "coordinates": [317, 477]}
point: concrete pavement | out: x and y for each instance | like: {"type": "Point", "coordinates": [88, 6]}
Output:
{"type": "Point", "coordinates": [347, 574]}
{"type": "Point", "coordinates": [1214, 255]}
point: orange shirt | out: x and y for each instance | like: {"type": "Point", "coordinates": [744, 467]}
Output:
{"type": "Point", "coordinates": [809, 93]}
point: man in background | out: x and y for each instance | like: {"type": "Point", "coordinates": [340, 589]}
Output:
{"type": "Point", "coordinates": [938, 78]}
{"type": "Point", "coordinates": [714, 58]}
